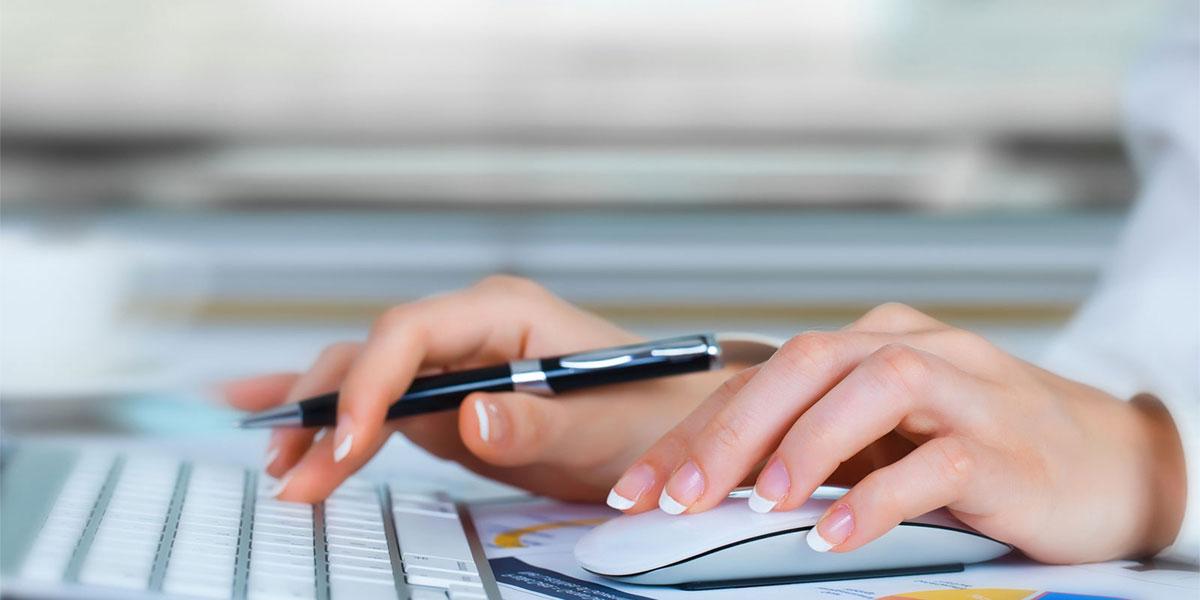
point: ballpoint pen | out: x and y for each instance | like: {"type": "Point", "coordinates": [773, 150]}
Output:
{"type": "Point", "coordinates": [544, 376]}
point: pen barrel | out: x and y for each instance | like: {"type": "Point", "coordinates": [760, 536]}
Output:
{"type": "Point", "coordinates": [442, 392]}
{"type": "Point", "coordinates": [565, 377]}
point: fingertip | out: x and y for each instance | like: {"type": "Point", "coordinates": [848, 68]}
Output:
{"type": "Point", "coordinates": [483, 426]}
{"type": "Point", "coordinates": [619, 502]}
{"type": "Point", "coordinates": [635, 491]}
{"type": "Point", "coordinates": [833, 529]}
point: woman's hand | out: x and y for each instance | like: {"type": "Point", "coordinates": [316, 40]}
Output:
{"type": "Point", "coordinates": [918, 415]}
{"type": "Point", "coordinates": [572, 447]}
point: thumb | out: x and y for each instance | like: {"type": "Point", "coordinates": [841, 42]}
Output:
{"type": "Point", "coordinates": [513, 429]}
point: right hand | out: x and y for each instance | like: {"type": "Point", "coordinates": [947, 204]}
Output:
{"type": "Point", "coordinates": [572, 447]}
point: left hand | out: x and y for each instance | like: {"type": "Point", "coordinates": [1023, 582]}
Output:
{"type": "Point", "coordinates": [918, 415]}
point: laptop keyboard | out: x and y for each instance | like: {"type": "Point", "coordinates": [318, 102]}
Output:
{"type": "Point", "coordinates": [183, 529]}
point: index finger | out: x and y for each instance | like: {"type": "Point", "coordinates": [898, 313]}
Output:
{"type": "Point", "coordinates": [744, 429]}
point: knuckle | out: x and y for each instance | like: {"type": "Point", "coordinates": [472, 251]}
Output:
{"type": "Point", "coordinates": [673, 442]}
{"type": "Point", "coordinates": [509, 284]}
{"type": "Point", "coordinates": [337, 350]}
{"type": "Point", "coordinates": [905, 367]}
{"type": "Point", "coordinates": [884, 494]}
{"type": "Point", "coordinates": [893, 310]}
{"type": "Point", "coordinates": [726, 434]}
{"type": "Point", "coordinates": [730, 386]}
{"type": "Point", "coordinates": [961, 338]}
{"type": "Point", "coordinates": [952, 462]}
{"type": "Point", "coordinates": [391, 319]}
{"type": "Point", "coordinates": [810, 351]}
{"type": "Point", "coordinates": [817, 431]}
{"type": "Point", "coordinates": [890, 315]}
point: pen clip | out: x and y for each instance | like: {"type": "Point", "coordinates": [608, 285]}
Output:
{"type": "Point", "coordinates": [673, 348]}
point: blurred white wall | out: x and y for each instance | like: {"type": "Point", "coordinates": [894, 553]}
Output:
{"type": "Point", "coordinates": [243, 182]}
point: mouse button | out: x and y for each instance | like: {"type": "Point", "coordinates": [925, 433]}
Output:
{"type": "Point", "coordinates": [937, 544]}
{"type": "Point", "coordinates": [811, 510]}
{"type": "Point", "coordinates": [651, 540]}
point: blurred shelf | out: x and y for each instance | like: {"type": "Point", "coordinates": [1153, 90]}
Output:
{"type": "Point", "coordinates": [765, 260]}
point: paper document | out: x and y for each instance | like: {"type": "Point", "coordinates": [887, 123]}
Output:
{"type": "Point", "coordinates": [529, 545]}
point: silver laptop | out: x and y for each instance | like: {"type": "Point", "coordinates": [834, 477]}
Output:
{"type": "Point", "coordinates": [77, 524]}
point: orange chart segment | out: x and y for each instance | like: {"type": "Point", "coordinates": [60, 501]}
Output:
{"type": "Point", "coordinates": [512, 537]}
{"type": "Point", "coordinates": [970, 594]}
{"type": "Point", "coordinates": [992, 594]}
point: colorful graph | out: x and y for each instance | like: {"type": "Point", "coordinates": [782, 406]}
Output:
{"type": "Point", "coordinates": [513, 537]}
{"type": "Point", "coordinates": [992, 594]}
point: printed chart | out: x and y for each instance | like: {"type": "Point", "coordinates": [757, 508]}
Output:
{"type": "Point", "coordinates": [530, 545]}
{"type": "Point", "coordinates": [992, 594]}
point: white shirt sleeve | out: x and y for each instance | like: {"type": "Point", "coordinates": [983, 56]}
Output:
{"type": "Point", "coordinates": [1140, 331]}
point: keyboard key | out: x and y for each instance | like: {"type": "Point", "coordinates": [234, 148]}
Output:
{"type": "Point", "coordinates": [274, 587]}
{"type": "Point", "coordinates": [367, 523]}
{"type": "Point", "coordinates": [197, 587]}
{"type": "Point", "coordinates": [368, 574]}
{"type": "Point", "coordinates": [122, 575]}
{"type": "Point", "coordinates": [374, 554]}
{"type": "Point", "coordinates": [370, 514]}
{"type": "Point", "coordinates": [205, 538]}
{"type": "Point", "coordinates": [362, 563]}
{"type": "Point", "coordinates": [258, 546]}
{"type": "Point", "coordinates": [287, 560]}
{"type": "Point", "coordinates": [304, 532]}
{"type": "Point", "coordinates": [437, 563]}
{"type": "Point", "coordinates": [467, 588]}
{"type": "Point", "coordinates": [338, 541]}
{"type": "Point", "coordinates": [281, 519]}
{"type": "Point", "coordinates": [420, 534]}
{"type": "Point", "coordinates": [419, 593]}
{"type": "Point", "coordinates": [290, 540]}
{"type": "Point", "coordinates": [192, 576]}
{"type": "Point", "coordinates": [344, 587]}
{"type": "Point", "coordinates": [280, 569]}
{"type": "Point", "coordinates": [442, 579]}
{"type": "Point", "coordinates": [435, 508]}
{"type": "Point", "coordinates": [358, 533]}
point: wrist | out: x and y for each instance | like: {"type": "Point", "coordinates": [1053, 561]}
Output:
{"type": "Point", "coordinates": [1162, 459]}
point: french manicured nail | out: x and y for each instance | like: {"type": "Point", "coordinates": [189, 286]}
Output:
{"type": "Point", "coordinates": [832, 529]}
{"type": "Point", "coordinates": [631, 486]}
{"type": "Point", "coordinates": [272, 454]}
{"type": "Point", "coordinates": [772, 485]}
{"type": "Point", "coordinates": [684, 488]}
{"type": "Point", "coordinates": [280, 485]}
{"type": "Point", "coordinates": [492, 425]}
{"type": "Point", "coordinates": [343, 439]}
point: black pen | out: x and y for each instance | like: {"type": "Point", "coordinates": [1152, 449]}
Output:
{"type": "Point", "coordinates": [544, 376]}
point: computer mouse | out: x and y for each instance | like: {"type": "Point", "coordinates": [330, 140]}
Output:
{"type": "Point", "coordinates": [733, 546]}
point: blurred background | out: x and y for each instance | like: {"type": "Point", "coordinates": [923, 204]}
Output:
{"type": "Point", "coordinates": [198, 190]}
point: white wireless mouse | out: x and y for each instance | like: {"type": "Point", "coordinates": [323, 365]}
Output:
{"type": "Point", "coordinates": [733, 546]}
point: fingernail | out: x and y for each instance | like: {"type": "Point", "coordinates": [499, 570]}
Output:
{"type": "Point", "coordinates": [491, 421]}
{"type": "Point", "coordinates": [832, 529]}
{"type": "Point", "coordinates": [631, 486]}
{"type": "Point", "coordinates": [771, 487]}
{"type": "Point", "coordinates": [272, 454]}
{"type": "Point", "coordinates": [684, 488]}
{"type": "Point", "coordinates": [280, 485]}
{"type": "Point", "coordinates": [343, 438]}
{"type": "Point", "coordinates": [320, 434]}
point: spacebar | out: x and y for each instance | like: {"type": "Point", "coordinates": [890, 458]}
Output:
{"type": "Point", "coordinates": [432, 536]}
